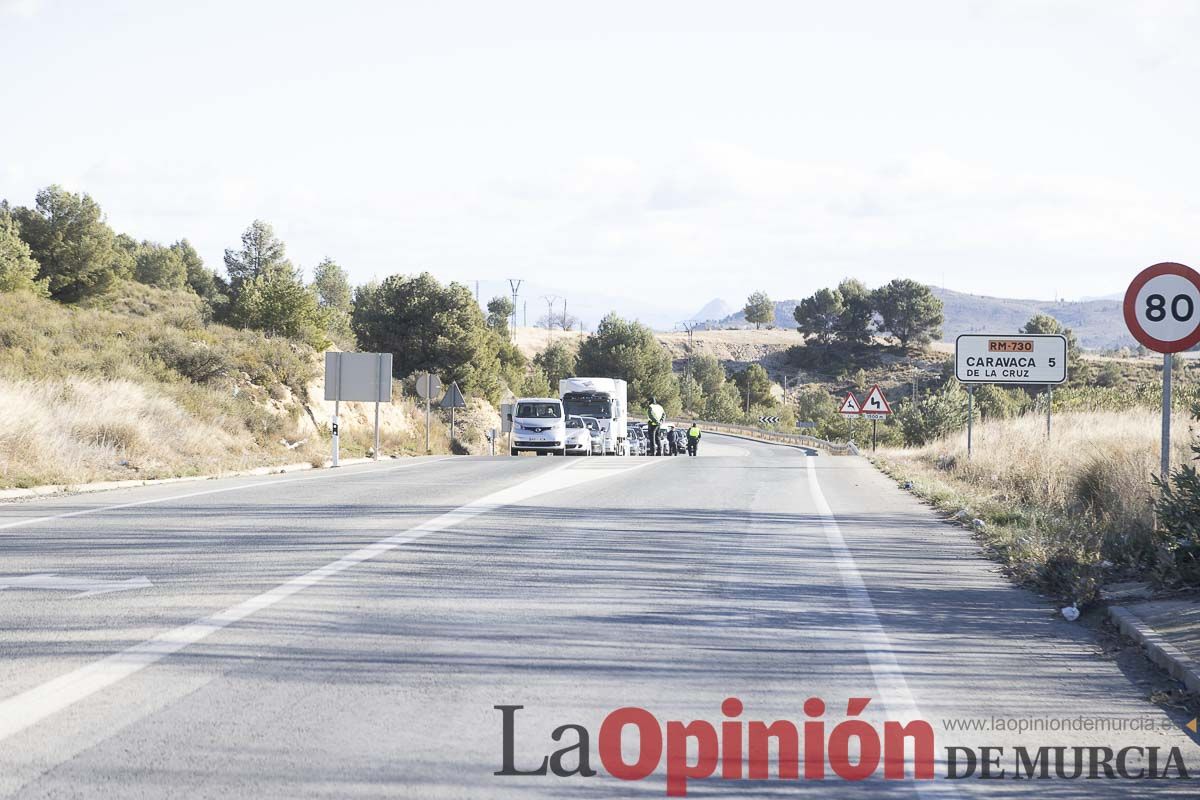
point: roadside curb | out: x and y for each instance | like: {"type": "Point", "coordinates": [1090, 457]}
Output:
{"type": "Point", "coordinates": [53, 490]}
{"type": "Point", "coordinates": [1166, 655]}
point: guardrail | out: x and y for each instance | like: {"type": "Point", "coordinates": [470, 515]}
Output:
{"type": "Point", "coordinates": [780, 437]}
{"type": "Point", "coordinates": [767, 435]}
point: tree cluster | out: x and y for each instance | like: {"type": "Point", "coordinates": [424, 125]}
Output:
{"type": "Point", "coordinates": [850, 315]}
{"type": "Point", "coordinates": [63, 247]}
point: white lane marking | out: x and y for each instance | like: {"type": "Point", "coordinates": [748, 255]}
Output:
{"type": "Point", "coordinates": [324, 474]}
{"type": "Point", "coordinates": [893, 689]}
{"type": "Point", "coordinates": [32, 706]}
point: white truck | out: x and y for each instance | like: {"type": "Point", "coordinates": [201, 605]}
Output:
{"type": "Point", "coordinates": [605, 399]}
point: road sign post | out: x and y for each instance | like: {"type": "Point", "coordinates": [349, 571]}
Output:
{"type": "Point", "coordinates": [427, 386]}
{"type": "Point", "coordinates": [875, 407]}
{"type": "Point", "coordinates": [453, 399]}
{"type": "Point", "coordinates": [970, 418]}
{"type": "Point", "coordinates": [1162, 311]}
{"type": "Point", "coordinates": [1022, 359]}
{"type": "Point", "coordinates": [851, 410]}
{"type": "Point", "coordinates": [356, 377]}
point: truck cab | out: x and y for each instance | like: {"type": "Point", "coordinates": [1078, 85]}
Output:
{"type": "Point", "coordinates": [603, 399]}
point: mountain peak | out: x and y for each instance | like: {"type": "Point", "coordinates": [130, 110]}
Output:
{"type": "Point", "coordinates": [713, 309]}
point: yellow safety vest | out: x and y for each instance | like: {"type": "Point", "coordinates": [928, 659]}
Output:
{"type": "Point", "coordinates": [657, 414]}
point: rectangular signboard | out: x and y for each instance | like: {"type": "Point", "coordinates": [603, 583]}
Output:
{"type": "Point", "coordinates": [358, 377]}
{"type": "Point", "coordinates": [1011, 358]}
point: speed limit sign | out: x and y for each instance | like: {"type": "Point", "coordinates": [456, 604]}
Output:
{"type": "Point", "coordinates": [1162, 310]}
{"type": "Point", "coordinates": [1162, 307]}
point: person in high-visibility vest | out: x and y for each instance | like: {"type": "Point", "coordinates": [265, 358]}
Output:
{"type": "Point", "coordinates": [656, 415]}
{"type": "Point", "coordinates": [693, 435]}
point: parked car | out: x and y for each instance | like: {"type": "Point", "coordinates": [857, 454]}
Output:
{"type": "Point", "coordinates": [598, 434]}
{"type": "Point", "coordinates": [579, 437]}
{"type": "Point", "coordinates": [637, 441]}
{"type": "Point", "coordinates": [679, 442]}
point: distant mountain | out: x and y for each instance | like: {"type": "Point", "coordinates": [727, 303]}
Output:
{"type": "Point", "coordinates": [1099, 324]}
{"type": "Point", "coordinates": [713, 309]}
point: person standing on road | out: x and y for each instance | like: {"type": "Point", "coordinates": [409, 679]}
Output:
{"type": "Point", "coordinates": [693, 435]}
{"type": "Point", "coordinates": [657, 415]}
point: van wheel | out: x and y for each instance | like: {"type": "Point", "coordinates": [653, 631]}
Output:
{"type": "Point", "coordinates": [512, 451]}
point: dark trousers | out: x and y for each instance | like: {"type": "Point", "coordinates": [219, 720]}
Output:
{"type": "Point", "coordinates": [655, 448]}
{"type": "Point", "coordinates": [693, 446]}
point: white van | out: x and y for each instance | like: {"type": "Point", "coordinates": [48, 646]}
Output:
{"type": "Point", "coordinates": [539, 425]}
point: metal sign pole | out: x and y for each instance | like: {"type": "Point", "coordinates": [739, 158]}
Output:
{"type": "Point", "coordinates": [1166, 419]}
{"type": "Point", "coordinates": [874, 437]}
{"type": "Point", "coordinates": [337, 402]}
{"type": "Point", "coordinates": [376, 430]}
{"type": "Point", "coordinates": [451, 426]}
{"type": "Point", "coordinates": [334, 461]}
{"type": "Point", "coordinates": [428, 449]}
{"type": "Point", "coordinates": [970, 417]}
{"type": "Point", "coordinates": [378, 386]}
{"type": "Point", "coordinates": [1049, 405]}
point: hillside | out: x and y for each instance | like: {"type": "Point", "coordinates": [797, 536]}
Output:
{"type": "Point", "coordinates": [137, 385]}
{"type": "Point", "coordinates": [1098, 324]}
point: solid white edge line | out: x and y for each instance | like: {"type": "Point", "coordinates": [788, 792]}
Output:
{"type": "Point", "coordinates": [30, 707]}
{"type": "Point", "coordinates": [330, 474]}
{"type": "Point", "coordinates": [889, 679]}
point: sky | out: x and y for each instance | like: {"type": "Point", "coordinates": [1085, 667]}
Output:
{"type": "Point", "coordinates": [653, 155]}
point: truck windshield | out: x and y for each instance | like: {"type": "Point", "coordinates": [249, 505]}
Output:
{"type": "Point", "coordinates": [539, 410]}
{"type": "Point", "coordinates": [588, 406]}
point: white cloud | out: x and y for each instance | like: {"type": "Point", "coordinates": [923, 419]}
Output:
{"type": "Point", "coordinates": [21, 8]}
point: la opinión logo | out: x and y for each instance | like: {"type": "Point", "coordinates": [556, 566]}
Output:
{"type": "Point", "coordinates": [731, 746]}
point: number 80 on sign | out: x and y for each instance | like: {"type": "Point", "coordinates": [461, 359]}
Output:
{"type": "Point", "coordinates": [1162, 307]}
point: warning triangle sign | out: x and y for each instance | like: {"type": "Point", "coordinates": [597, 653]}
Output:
{"type": "Point", "coordinates": [850, 405]}
{"type": "Point", "coordinates": [876, 403]}
{"type": "Point", "coordinates": [454, 397]}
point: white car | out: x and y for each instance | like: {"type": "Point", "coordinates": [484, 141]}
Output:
{"type": "Point", "coordinates": [600, 440]}
{"type": "Point", "coordinates": [579, 437]}
{"type": "Point", "coordinates": [539, 426]}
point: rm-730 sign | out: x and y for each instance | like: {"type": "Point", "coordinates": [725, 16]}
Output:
{"type": "Point", "coordinates": [1025, 358]}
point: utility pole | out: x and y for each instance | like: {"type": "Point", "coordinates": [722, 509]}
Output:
{"type": "Point", "coordinates": [550, 299]}
{"type": "Point", "coordinates": [564, 325]}
{"type": "Point", "coordinates": [515, 285]}
{"type": "Point", "coordinates": [689, 327]}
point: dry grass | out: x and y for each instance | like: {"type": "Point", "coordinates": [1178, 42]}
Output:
{"type": "Point", "coordinates": [1054, 511]}
{"type": "Point", "coordinates": [76, 431]}
{"type": "Point", "coordinates": [138, 386]}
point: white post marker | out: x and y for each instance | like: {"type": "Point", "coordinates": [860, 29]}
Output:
{"type": "Point", "coordinates": [875, 408]}
{"type": "Point", "coordinates": [1162, 311]}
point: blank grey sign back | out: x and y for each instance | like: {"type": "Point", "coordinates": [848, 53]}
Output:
{"type": "Point", "coordinates": [358, 377]}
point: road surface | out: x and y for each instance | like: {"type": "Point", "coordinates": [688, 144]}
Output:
{"type": "Point", "coordinates": [348, 633]}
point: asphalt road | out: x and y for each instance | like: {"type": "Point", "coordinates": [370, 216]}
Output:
{"type": "Point", "coordinates": [348, 633]}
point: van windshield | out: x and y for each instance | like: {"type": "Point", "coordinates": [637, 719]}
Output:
{"type": "Point", "coordinates": [539, 410]}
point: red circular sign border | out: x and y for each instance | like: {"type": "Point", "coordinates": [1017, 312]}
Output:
{"type": "Point", "coordinates": [1131, 321]}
